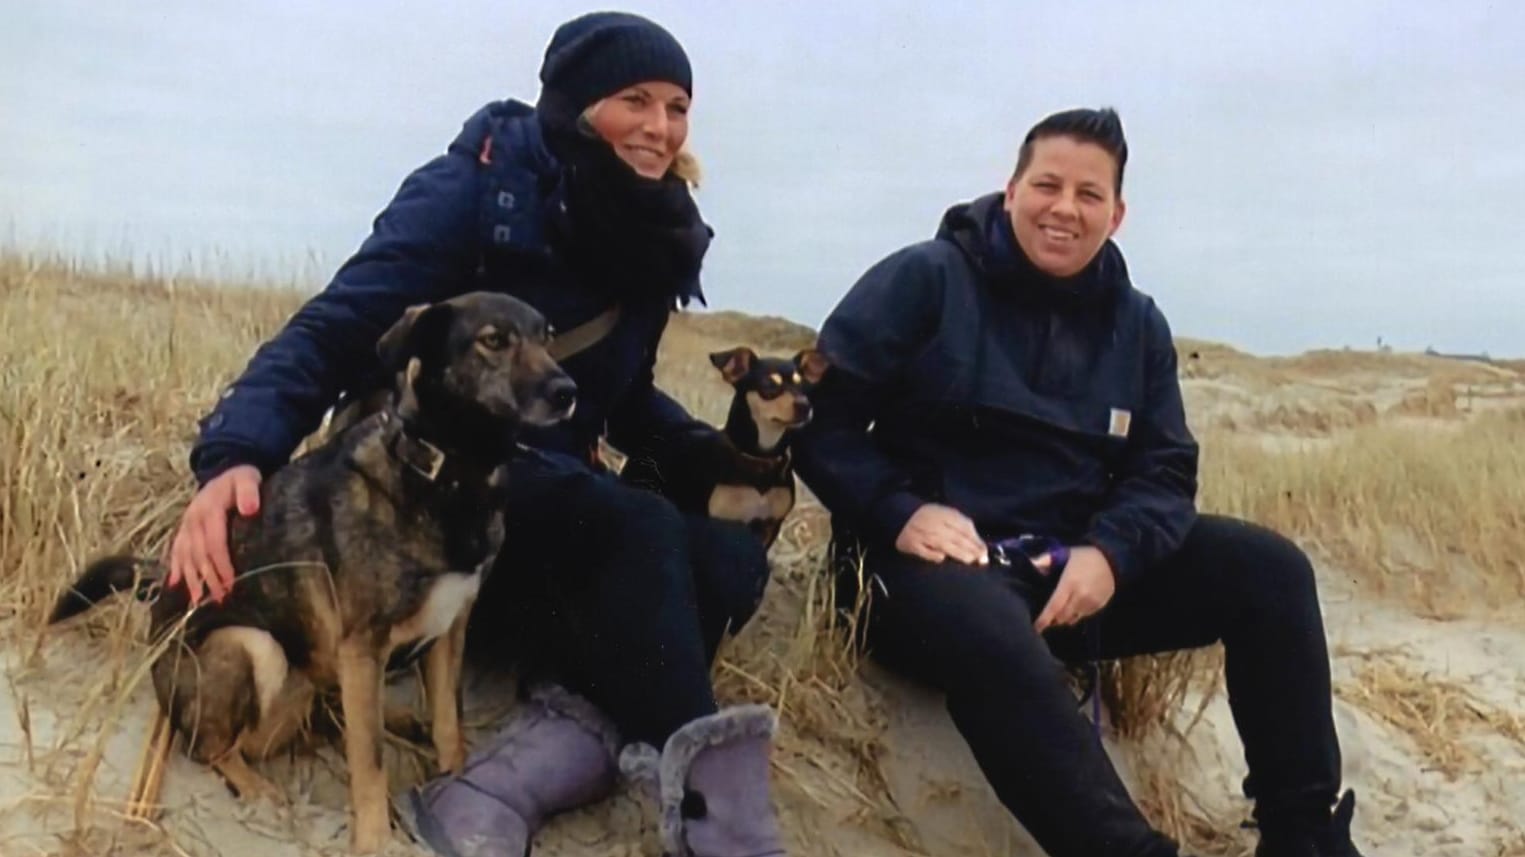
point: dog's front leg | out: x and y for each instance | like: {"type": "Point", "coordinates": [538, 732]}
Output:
{"type": "Point", "coordinates": [442, 681]}
{"type": "Point", "coordinates": [360, 695]}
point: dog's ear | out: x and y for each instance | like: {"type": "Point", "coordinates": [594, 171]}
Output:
{"type": "Point", "coordinates": [734, 364]}
{"type": "Point", "coordinates": [812, 364]}
{"type": "Point", "coordinates": [420, 327]}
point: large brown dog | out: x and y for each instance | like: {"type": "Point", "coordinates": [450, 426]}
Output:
{"type": "Point", "coordinates": [373, 544]}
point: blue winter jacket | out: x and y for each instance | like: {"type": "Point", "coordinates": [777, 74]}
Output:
{"type": "Point", "coordinates": [950, 384]}
{"type": "Point", "coordinates": [471, 219]}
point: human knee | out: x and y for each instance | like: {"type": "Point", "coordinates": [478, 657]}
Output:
{"type": "Point", "coordinates": [647, 523]}
{"type": "Point", "coordinates": [633, 542]}
{"type": "Point", "coordinates": [1279, 566]}
{"type": "Point", "coordinates": [1261, 565]}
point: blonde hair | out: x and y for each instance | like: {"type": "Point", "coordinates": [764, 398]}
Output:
{"type": "Point", "coordinates": [685, 164]}
{"type": "Point", "coordinates": [686, 167]}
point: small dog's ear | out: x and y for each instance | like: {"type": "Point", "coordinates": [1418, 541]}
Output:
{"type": "Point", "coordinates": [409, 336]}
{"type": "Point", "coordinates": [734, 364]}
{"type": "Point", "coordinates": [407, 395]}
{"type": "Point", "coordinates": [812, 364]}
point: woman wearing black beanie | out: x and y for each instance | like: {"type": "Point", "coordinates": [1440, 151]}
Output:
{"type": "Point", "coordinates": [612, 601]}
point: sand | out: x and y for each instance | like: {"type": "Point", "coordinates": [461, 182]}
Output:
{"type": "Point", "coordinates": [1408, 807]}
{"type": "Point", "coordinates": [1460, 792]}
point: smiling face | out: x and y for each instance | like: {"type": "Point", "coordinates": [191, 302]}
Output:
{"type": "Point", "coordinates": [646, 124]}
{"type": "Point", "coordinates": [1064, 204]}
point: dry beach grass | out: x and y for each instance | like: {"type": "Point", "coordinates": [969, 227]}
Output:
{"type": "Point", "coordinates": [1400, 473]}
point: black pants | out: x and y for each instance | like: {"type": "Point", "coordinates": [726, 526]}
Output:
{"type": "Point", "coordinates": [969, 632]}
{"type": "Point", "coordinates": [611, 591]}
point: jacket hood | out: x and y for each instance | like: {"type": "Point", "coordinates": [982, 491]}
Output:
{"type": "Point", "coordinates": [482, 123]}
{"type": "Point", "coordinates": [982, 231]}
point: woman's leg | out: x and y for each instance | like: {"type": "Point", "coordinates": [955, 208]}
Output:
{"type": "Point", "coordinates": [592, 591]}
{"type": "Point", "coordinates": [730, 574]}
{"type": "Point", "coordinates": [594, 587]}
{"type": "Point", "coordinates": [969, 632]}
{"type": "Point", "coordinates": [613, 593]}
{"type": "Point", "coordinates": [1253, 590]}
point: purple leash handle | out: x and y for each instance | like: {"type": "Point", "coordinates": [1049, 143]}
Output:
{"type": "Point", "coordinates": [1030, 548]}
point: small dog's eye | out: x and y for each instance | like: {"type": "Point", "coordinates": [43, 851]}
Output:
{"type": "Point", "coordinates": [494, 340]}
{"type": "Point", "coordinates": [775, 379]}
{"type": "Point", "coordinates": [796, 378]}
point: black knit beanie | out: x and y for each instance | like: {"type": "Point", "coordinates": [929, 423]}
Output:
{"type": "Point", "coordinates": [600, 53]}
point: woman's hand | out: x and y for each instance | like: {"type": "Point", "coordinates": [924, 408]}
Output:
{"type": "Point", "coordinates": [1085, 586]}
{"type": "Point", "coordinates": [936, 533]}
{"type": "Point", "coordinates": [199, 553]}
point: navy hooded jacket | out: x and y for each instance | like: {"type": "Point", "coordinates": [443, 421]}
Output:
{"type": "Point", "coordinates": [956, 379]}
{"type": "Point", "coordinates": [472, 219]}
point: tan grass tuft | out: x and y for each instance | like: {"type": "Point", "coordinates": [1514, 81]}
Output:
{"type": "Point", "coordinates": [104, 370]}
{"type": "Point", "coordinates": [1177, 813]}
{"type": "Point", "coordinates": [1433, 518]}
{"type": "Point", "coordinates": [1440, 715]}
{"type": "Point", "coordinates": [1145, 693]}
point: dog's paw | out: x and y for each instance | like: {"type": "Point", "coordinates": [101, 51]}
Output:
{"type": "Point", "coordinates": [247, 785]}
{"type": "Point", "coordinates": [261, 790]}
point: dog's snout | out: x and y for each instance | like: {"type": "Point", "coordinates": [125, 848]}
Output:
{"type": "Point", "coordinates": [802, 410]}
{"type": "Point", "coordinates": [561, 392]}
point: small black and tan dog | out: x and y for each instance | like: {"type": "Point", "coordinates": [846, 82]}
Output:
{"type": "Point", "coordinates": [374, 543]}
{"type": "Point", "coordinates": [747, 474]}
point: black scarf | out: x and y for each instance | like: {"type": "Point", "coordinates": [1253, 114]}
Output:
{"type": "Point", "coordinates": [618, 229]}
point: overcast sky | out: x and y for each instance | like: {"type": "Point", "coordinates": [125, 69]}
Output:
{"type": "Point", "coordinates": [1303, 174]}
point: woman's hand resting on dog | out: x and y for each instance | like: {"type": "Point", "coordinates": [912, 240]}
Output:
{"type": "Point", "coordinates": [199, 553]}
{"type": "Point", "coordinates": [936, 533]}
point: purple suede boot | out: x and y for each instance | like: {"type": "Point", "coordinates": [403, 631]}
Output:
{"type": "Point", "coordinates": [557, 752]}
{"type": "Point", "coordinates": [711, 782]}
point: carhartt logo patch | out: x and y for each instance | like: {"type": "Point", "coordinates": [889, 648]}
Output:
{"type": "Point", "coordinates": [1118, 424]}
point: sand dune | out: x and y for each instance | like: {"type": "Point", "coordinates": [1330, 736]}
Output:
{"type": "Point", "coordinates": [1429, 709]}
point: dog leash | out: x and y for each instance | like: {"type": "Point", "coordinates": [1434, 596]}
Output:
{"type": "Point", "coordinates": [1031, 548]}
{"type": "Point", "coordinates": [1028, 549]}
{"type": "Point", "coordinates": [1093, 674]}
{"type": "Point", "coordinates": [585, 335]}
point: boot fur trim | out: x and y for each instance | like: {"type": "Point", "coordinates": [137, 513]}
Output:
{"type": "Point", "coordinates": [722, 727]}
{"type": "Point", "coordinates": [566, 704]}
{"type": "Point", "coordinates": [640, 764]}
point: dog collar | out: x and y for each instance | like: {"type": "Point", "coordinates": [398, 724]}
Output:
{"type": "Point", "coordinates": [421, 455]}
{"type": "Point", "coordinates": [778, 456]}
{"type": "Point", "coordinates": [779, 459]}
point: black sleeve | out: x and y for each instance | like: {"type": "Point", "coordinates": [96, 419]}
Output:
{"type": "Point", "coordinates": [884, 320]}
{"type": "Point", "coordinates": [1152, 504]}
{"type": "Point", "coordinates": [417, 251]}
{"type": "Point", "coordinates": [650, 426]}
